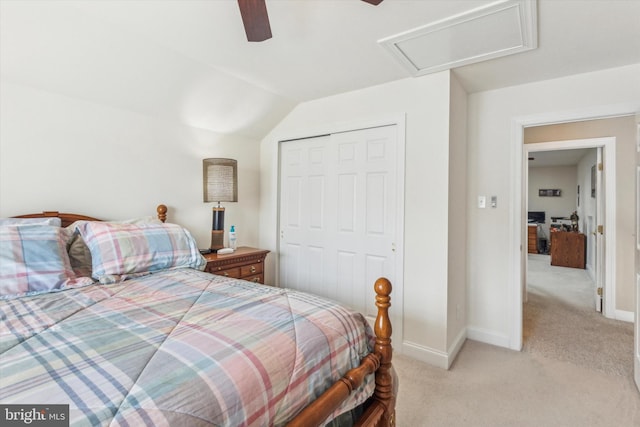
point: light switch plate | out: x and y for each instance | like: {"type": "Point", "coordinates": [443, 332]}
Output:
{"type": "Point", "coordinates": [482, 202]}
{"type": "Point", "coordinates": [494, 201]}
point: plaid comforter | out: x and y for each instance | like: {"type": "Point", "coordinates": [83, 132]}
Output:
{"type": "Point", "coordinates": [180, 348]}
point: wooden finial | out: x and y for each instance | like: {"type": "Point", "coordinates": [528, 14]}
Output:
{"type": "Point", "coordinates": [384, 392]}
{"type": "Point", "coordinates": [162, 212]}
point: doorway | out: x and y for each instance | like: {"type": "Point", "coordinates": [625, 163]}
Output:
{"type": "Point", "coordinates": [563, 199]}
{"type": "Point", "coordinates": [560, 314]}
{"type": "Point", "coordinates": [626, 153]}
{"type": "Point", "coordinates": [602, 217]}
{"type": "Point", "coordinates": [559, 318]}
{"type": "Point", "coordinates": [605, 120]}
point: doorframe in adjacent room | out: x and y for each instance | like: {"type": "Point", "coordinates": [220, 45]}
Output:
{"type": "Point", "coordinates": [636, 344]}
{"type": "Point", "coordinates": [516, 213]}
{"type": "Point", "coordinates": [608, 145]}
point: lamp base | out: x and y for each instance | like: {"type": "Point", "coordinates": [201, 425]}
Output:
{"type": "Point", "coordinates": [217, 229]}
{"type": "Point", "coordinates": [217, 240]}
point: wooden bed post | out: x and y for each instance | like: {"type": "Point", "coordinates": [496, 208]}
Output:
{"type": "Point", "coordinates": [384, 393]}
{"type": "Point", "coordinates": [382, 410]}
{"type": "Point", "coordinates": [162, 212]}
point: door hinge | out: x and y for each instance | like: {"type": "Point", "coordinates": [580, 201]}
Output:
{"type": "Point", "coordinates": [600, 166]}
{"type": "Point", "coordinates": [601, 229]}
{"type": "Point", "coordinates": [600, 291]}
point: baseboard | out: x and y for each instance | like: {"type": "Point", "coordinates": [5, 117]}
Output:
{"type": "Point", "coordinates": [454, 349]}
{"type": "Point", "coordinates": [488, 337]}
{"type": "Point", "coordinates": [625, 316]}
{"type": "Point", "coordinates": [425, 354]}
{"type": "Point", "coordinates": [432, 356]}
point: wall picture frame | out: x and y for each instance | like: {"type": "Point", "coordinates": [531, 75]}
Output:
{"type": "Point", "coordinates": [549, 192]}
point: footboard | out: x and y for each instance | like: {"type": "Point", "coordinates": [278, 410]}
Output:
{"type": "Point", "coordinates": [380, 408]}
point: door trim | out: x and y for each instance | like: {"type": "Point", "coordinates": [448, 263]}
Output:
{"type": "Point", "coordinates": [636, 327]}
{"type": "Point", "coordinates": [514, 288]}
{"type": "Point", "coordinates": [399, 121]}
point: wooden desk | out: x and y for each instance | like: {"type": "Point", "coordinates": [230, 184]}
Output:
{"type": "Point", "coordinates": [568, 249]}
{"type": "Point", "coordinates": [532, 238]}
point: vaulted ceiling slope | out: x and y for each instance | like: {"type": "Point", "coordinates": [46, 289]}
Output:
{"type": "Point", "coordinates": [189, 60]}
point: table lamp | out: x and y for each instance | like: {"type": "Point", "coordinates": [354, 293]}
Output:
{"type": "Point", "coordinates": [220, 184]}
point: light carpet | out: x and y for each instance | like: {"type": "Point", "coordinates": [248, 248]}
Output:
{"type": "Point", "coordinates": [560, 321]}
{"type": "Point", "coordinates": [548, 385]}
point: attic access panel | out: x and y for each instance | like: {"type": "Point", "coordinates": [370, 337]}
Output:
{"type": "Point", "coordinates": [499, 29]}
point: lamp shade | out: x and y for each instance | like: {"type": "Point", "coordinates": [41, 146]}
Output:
{"type": "Point", "coordinates": [220, 180]}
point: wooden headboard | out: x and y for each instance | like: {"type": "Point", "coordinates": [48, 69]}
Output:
{"type": "Point", "coordinates": [69, 218]}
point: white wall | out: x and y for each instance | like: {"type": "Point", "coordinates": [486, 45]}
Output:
{"type": "Point", "coordinates": [563, 178]}
{"type": "Point", "coordinates": [425, 102]}
{"type": "Point", "coordinates": [492, 119]}
{"type": "Point", "coordinates": [457, 281]}
{"type": "Point", "coordinates": [70, 155]}
{"type": "Point", "coordinates": [79, 49]}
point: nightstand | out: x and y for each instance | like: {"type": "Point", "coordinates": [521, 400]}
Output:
{"type": "Point", "coordinates": [244, 263]}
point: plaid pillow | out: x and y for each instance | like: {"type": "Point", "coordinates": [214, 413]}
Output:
{"type": "Point", "coordinates": [79, 253]}
{"type": "Point", "coordinates": [31, 221]}
{"type": "Point", "coordinates": [121, 249]}
{"type": "Point", "coordinates": [33, 259]}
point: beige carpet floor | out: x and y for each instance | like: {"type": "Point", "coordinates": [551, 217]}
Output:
{"type": "Point", "coordinates": [561, 378]}
{"type": "Point", "coordinates": [560, 321]}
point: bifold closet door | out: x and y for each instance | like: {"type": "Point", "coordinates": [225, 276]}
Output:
{"type": "Point", "coordinates": [337, 214]}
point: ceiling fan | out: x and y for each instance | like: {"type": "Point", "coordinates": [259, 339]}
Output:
{"type": "Point", "coordinates": [256, 20]}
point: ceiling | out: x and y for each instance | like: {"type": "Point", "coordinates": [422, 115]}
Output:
{"type": "Point", "coordinates": [189, 59]}
{"type": "Point", "coordinates": [557, 157]}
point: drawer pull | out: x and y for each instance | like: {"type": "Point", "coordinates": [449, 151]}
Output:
{"type": "Point", "coordinates": [226, 274]}
{"type": "Point", "coordinates": [253, 269]}
{"type": "Point", "coordinates": [256, 280]}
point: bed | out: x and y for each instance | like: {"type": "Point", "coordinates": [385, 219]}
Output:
{"type": "Point", "coordinates": [142, 336]}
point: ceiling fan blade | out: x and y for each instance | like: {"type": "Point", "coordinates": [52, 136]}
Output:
{"type": "Point", "coordinates": [255, 20]}
{"type": "Point", "coordinates": [373, 2]}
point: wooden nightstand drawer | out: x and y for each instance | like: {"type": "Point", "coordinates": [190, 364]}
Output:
{"type": "Point", "coordinates": [248, 270]}
{"type": "Point", "coordinates": [245, 263]}
{"type": "Point", "coordinates": [258, 278]}
{"type": "Point", "coordinates": [229, 272]}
